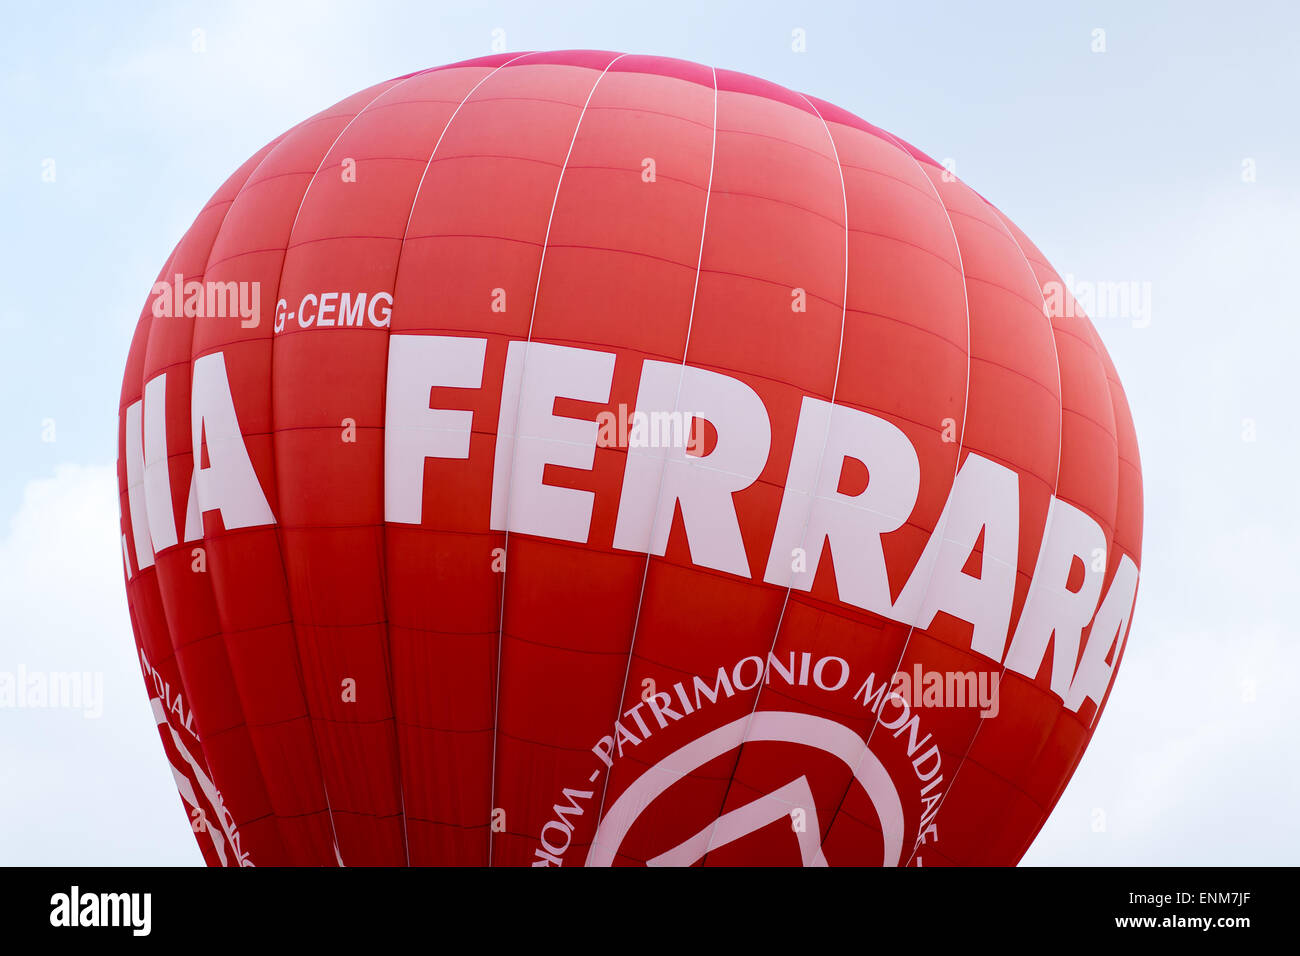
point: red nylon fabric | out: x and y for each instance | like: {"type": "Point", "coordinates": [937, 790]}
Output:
{"type": "Point", "coordinates": [485, 666]}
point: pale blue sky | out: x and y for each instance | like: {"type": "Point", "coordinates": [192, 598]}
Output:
{"type": "Point", "coordinates": [1122, 165]}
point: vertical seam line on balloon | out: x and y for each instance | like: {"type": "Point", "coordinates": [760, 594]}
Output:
{"type": "Point", "coordinates": [181, 532]}
{"type": "Point", "coordinates": [157, 578]}
{"type": "Point", "coordinates": [1122, 639]}
{"type": "Point", "coordinates": [383, 486]}
{"type": "Point", "coordinates": [690, 322]}
{"type": "Point", "coordinates": [514, 447]}
{"type": "Point", "coordinates": [207, 585]}
{"type": "Point", "coordinates": [1051, 328]}
{"type": "Point", "coordinates": [821, 465]}
{"type": "Point", "coordinates": [970, 745]}
{"type": "Point", "coordinates": [279, 539]}
{"type": "Point", "coordinates": [941, 525]}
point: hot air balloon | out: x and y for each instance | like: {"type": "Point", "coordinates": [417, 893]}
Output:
{"type": "Point", "coordinates": [590, 458]}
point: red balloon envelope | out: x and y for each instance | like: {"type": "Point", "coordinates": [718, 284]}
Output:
{"type": "Point", "coordinates": [563, 458]}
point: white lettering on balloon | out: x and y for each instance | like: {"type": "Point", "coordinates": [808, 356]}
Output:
{"type": "Point", "coordinates": [657, 481]}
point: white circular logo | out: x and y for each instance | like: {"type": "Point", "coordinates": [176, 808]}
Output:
{"type": "Point", "coordinates": [767, 725]}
